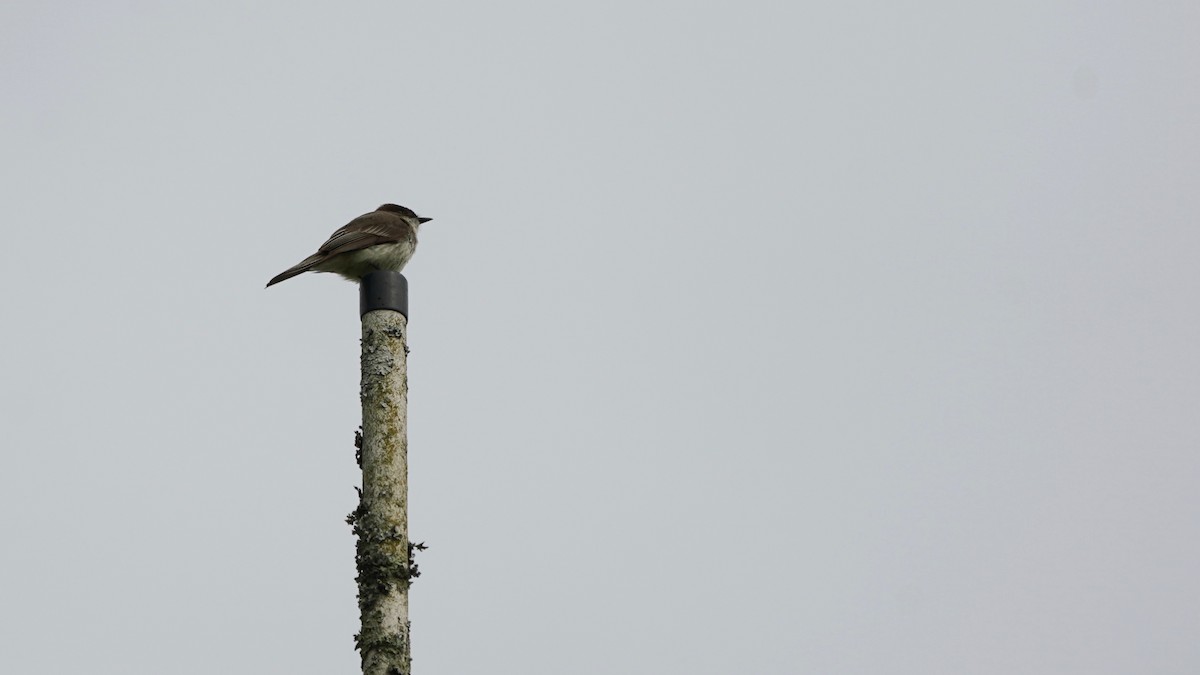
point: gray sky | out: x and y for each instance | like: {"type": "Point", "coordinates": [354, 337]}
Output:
{"type": "Point", "coordinates": [752, 337]}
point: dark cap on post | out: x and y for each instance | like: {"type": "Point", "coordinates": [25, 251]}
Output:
{"type": "Point", "coordinates": [383, 289]}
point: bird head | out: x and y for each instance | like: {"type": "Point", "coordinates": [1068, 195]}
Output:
{"type": "Point", "coordinates": [404, 211]}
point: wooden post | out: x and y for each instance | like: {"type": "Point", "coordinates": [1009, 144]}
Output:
{"type": "Point", "coordinates": [384, 553]}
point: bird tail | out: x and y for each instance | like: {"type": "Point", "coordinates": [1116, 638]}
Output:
{"type": "Point", "coordinates": [299, 268]}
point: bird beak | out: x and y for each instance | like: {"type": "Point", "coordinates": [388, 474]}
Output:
{"type": "Point", "coordinates": [424, 220]}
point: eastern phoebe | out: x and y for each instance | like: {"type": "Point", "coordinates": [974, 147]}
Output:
{"type": "Point", "coordinates": [383, 239]}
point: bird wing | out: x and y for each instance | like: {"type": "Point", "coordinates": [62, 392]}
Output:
{"type": "Point", "coordinates": [377, 227]}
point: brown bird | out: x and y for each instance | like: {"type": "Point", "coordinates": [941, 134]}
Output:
{"type": "Point", "coordinates": [383, 239]}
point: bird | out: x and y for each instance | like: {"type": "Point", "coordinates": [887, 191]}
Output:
{"type": "Point", "coordinates": [383, 239]}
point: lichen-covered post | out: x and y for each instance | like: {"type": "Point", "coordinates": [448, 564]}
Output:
{"type": "Point", "coordinates": [381, 519]}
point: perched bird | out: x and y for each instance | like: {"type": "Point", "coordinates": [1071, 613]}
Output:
{"type": "Point", "coordinates": [383, 239]}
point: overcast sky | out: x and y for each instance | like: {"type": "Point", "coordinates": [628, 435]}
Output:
{"type": "Point", "coordinates": [755, 337]}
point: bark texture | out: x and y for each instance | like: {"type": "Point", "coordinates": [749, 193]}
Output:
{"type": "Point", "coordinates": [381, 519]}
